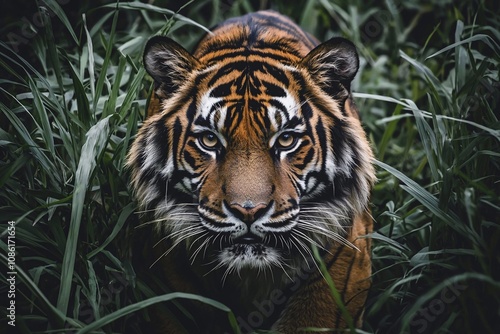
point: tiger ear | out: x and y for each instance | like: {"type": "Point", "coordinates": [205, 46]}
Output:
{"type": "Point", "coordinates": [168, 63]}
{"type": "Point", "coordinates": [334, 61]}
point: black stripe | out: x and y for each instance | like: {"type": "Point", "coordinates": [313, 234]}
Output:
{"type": "Point", "coordinates": [298, 189]}
{"type": "Point", "coordinates": [307, 158]}
{"type": "Point", "coordinates": [321, 133]}
{"type": "Point", "coordinates": [234, 118]}
{"type": "Point", "coordinates": [190, 160]}
{"type": "Point", "coordinates": [221, 90]}
{"type": "Point", "coordinates": [224, 71]}
{"type": "Point", "coordinates": [160, 141]}
{"type": "Point", "coordinates": [191, 110]}
{"type": "Point", "coordinates": [277, 73]}
{"type": "Point", "coordinates": [278, 105]}
{"type": "Point", "coordinates": [245, 66]}
{"type": "Point", "coordinates": [234, 51]}
{"type": "Point", "coordinates": [257, 121]}
{"type": "Point", "coordinates": [274, 90]}
{"type": "Point", "coordinates": [338, 139]}
{"type": "Point", "coordinates": [306, 109]}
{"type": "Point", "coordinates": [279, 213]}
{"type": "Point", "coordinates": [177, 130]}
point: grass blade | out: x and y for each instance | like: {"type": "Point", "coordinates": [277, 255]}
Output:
{"type": "Point", "coordinates": [106, 62]}
{"type": "Point", "coordinates": [149, 7]}
{"type": "Point", "coordinates": [430, 202]}
{"type": "Point", "coordinates": [428, 138]}
{"type": "Point", "coordinates": [96, 140]}
{"type": "Point", "coordinates": [37, 152]}
{"type": "Point", "coordinates": [54, 6]}
{"type": "Point", "coordinates": [91, 60]}
{"type": "Point", "coordinates": [480, 37]}
{"type": "Point", "coordinates": [148, 302]}
{"type": "Point", "coordinates": [42, 117]}
{"type": "Point", "coordinates": [126, 212]}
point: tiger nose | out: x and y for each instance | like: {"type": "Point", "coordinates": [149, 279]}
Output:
{"type": "Point", "coordinates": [248, 212]}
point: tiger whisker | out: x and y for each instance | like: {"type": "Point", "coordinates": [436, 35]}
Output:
{"type": "Point", "coordinates": [308, 226]}
{"type": "Point", "coordinates": [280, 264]}
{"type": "Point", "coordinates": [182, 221]}
{"type": "Point", "coordinates": [298, 247]}
{"type": "Point", "coordinates": [218, 266]}
{"type": "Point", "coordinates": [180, 214]}
{"type": "Point", "coordinates": [190, 234]}
{"type": "Point", "coordinates": [331, 222]}
{"type": "Point", "coordinates": [336, 217]}
{"type": "Point", "coordinates": [203, 245]}
{"type": "Point", "coordinates": [186, 232]}
{"type": "Point", "coordinates": [332, 229]}
{"type": "Point", "coordinates": [161, 240]}
{"type": "Point", "coordinates": [198, 238]}
{"type": "Point", "coordinates": [310, 240]}
{"type": "Point", "coordinates": [283, 242]}
{"type": "Point", "coordinates": [228, 271]}
{"type": "Point", "coordinates": [177, 241]}
{"type": "Point", "coordinates": [309, 251]}
{"type": "Point", "coordinates": [322, 215]}
{"type": "Point", "coordinates": [337, 238]}
{"type": "Point", "coordinates": [166, 207]}
{"type": "Point", "coordinates": [221, 239]}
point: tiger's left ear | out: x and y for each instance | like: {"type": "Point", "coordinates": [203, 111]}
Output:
{"type": "Point", "coordinates": [334, 61]}
{"type": "Point", "coordinates": [168, 63]}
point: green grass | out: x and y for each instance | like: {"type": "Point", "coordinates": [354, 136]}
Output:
{"type": "Point", "coordinates": [73, 93]}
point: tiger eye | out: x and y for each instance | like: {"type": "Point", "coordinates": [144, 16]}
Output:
{"type": "Point", "coordinates": [209, 140]}
{"type": "Point", "coordinates": [286, 140]}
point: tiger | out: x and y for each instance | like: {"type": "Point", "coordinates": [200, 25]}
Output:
{"type": "Point", "coordinates": [254, 167]}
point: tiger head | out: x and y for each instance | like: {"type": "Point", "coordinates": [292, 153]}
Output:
{"type": "Point", "coordinates": [255, 151]}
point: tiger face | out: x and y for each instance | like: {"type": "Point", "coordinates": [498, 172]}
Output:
{"type": "Point", "coordinates": [255, 152]}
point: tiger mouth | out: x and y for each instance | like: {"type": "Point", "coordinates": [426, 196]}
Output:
{"type": "Point", "coordinates": [247, 241]}
{"type": "Point", "coordinates": [255, 242]}
{"type": "Point", "coordinates": [243, 249]}
{"type": "Point", "coordinates": [250, 244]}
{"type": "Point", "coordinates": [249, 252]}
{"type": "Point", "coordinates": [253, 251]}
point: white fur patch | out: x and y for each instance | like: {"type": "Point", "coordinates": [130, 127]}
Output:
{"type": "Point", "coordinates": [206, 104]}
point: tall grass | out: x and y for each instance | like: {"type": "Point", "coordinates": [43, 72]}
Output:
{"type": "Point", "coordinates": [74, 93]}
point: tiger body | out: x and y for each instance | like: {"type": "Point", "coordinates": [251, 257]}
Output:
{"type": "Point", "coordinates": [253, 154]}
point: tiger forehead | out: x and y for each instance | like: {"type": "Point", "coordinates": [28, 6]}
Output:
{"type": "Point", "coordinates": [245, 77]}
{"type": "Point", "coordinates": [249, 68]}
{"type": "Point", "coordinates": [248, 115]}
{"type": "Point", "coordinates": [248, 84]}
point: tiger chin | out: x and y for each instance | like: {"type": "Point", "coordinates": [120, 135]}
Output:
{"type": "Point", "coordinates": [252, 156]}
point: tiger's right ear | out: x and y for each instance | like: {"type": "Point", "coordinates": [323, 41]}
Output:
{"type": "Point", "coordinates": [168, 63]}
{"type": "Point", "coordinates": [334, 61]}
